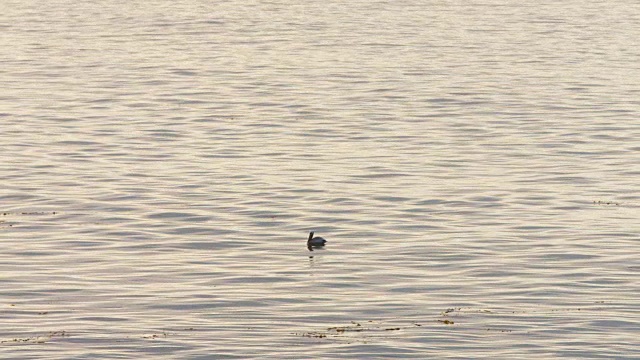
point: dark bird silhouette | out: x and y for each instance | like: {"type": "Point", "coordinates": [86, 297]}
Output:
{"type": "Point", "coordinates": [315, 241]}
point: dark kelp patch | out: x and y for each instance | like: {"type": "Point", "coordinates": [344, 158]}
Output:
{"type": "Point", "coordinates": [606, 203]}
{"type": "Point", "coordinates": [155, 336]}
{"type": "Point", "coordinates": [346, 331]}
{"type": "Point", "coordinates": [5, 224]}
{"type": "Point", "coordinates": [7, 213]}
{"type": "Point", "coordinates": [492, 319]}
{"type": "Point", "coordinates": [41, 339]}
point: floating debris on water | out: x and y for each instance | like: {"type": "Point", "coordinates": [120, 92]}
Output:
{"type": "Point", "coordinates": [498, 330]}
{"type": "Point", "coordinates": [38, 339]}
{"type": "Point", "coordinates": [314, 335]}
{"type": "Point", "coordinates": [155, 336]}
{"type": "Point", "coordinates": [376, 329]}
{"type": "Point", "coordinates": [450, 310]}
{"type": "Point", "coordinates": [600, 202]}
{"type": "Point", "coordinates": [7, 213]}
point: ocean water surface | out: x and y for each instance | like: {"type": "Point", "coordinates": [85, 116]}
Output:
{"type": "Point", "coordinates": [474, 167]}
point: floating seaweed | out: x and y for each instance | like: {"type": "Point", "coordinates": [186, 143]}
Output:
{"type": "Point", "coordinates": [155, 336]}
{"type": "Point", "coordinates": [600, 202]}
{"type": "Point", "coordinates": [373, 329]}
{"type": "Point", "coordinates": [7, 213]}
{"type": "Point", "coordinates": [38, 339]}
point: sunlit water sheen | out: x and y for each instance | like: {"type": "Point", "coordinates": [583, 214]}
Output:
{"type": "Point", "coordinates": [474, 166]}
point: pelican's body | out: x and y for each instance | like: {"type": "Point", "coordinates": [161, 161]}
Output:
{"type": "Point", "coordinates": [315, 241]}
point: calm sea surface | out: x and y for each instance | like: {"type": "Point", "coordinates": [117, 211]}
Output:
{"type": "Point", "coordinates": [475, 166]}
